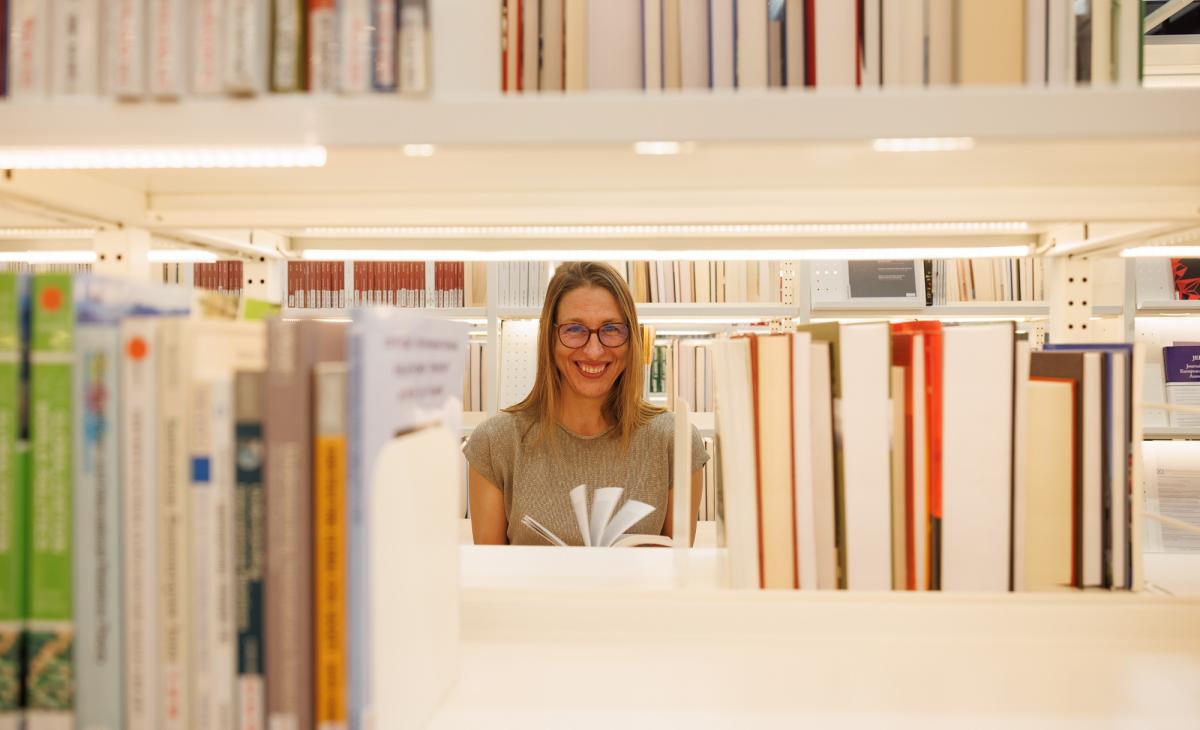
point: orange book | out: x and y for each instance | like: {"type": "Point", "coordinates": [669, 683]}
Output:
{"type": "Point", "coordinates": [329, 544]}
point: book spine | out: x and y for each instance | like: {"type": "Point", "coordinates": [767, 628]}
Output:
{"type": "Point", "coordinates": [322, 46]}
{"type": "Point", "coordinates": [246, 39]}
{"type": "Point", "coordinates": [414, 47]}
{"type": "Point", "coordinates": [139, 523]}
{"type": "Point", "coordinates": [329, 543]}
{"type": "Point", "coordinates": [385, 24]}
{"type": "Point", "coordinates": [165, 37]}
{"type": "Point", "coordinates": [3, 48]}
{"type": "Point", "coordinates": [288, 64]}
{"type": "Point", "coordinates": [12, 498]}
{"type": "Point", "coordinates": [50, 690]}
{"type": "Point", "coordinates": [28, 48]}
{"type": "Point", "coordinates": [289, 541]}
{"type": "Point", "coordinates": [354, 69]}
{"type": "Point", "coordinates": [76, 49]}
{"type": "Point", "coordinates": [249, 551]}
{"type": "Point", "coordinates": [173, 527]}
{"type": "Point", "coordinates": [98, 657]}
{"type": "Point", "coordinates": [208, 25]}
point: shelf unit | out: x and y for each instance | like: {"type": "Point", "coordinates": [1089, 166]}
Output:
{"type": "Point", "coordinates": [1044, 156]}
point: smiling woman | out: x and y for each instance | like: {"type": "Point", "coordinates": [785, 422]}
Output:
{"type": "Point", "coordinates": [584, 421]}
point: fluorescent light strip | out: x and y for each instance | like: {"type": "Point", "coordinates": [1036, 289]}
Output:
{"type": "Point", "coordinates": [48, 257]}
{"type": "Point", "coordinates": [47, 232]}
{"type": "Point", "coordinates": [152, 158]}
{"type": "Point", "coordinates": [834, 254]}
{"type": "Point", "coordinates": [419, 150]}
{"type": "Point", "coordinates": [1174, 252]}
{"type": "Point", "coordinates": [923, 144]}
{"type": "Point", "coordinates": [663, 148]}
{"type": "Point", "coordinates": [180, 256]}
{"type": "Point", "coordinates": [643, 231]}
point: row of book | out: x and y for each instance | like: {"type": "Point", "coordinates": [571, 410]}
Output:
{"type": "Point", "coordinates": [709, 282]}
{"type": "Point", "coordinates": [664, 45]}
{"type": "Point", "coordinates": [167, 49]}
{"type": "Point", "coordinates": [922, 456]}
{"type": "Point", "coordinates": [219, 276]}
{"type": "Point", "coordinates": [139, 585]}
{"type": "Point", "coordinates": [443, 284]}
{"type": "Point", "coordinates": [522, 283]}
{"type": "Point", "coordinates": [951, 281]}
{"type": "Point", "coordinates": [682, 369]}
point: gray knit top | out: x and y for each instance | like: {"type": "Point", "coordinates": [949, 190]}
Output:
{"type": "Point", "coordinates": [537, 478]}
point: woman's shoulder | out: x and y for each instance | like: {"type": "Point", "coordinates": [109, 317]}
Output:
{"type": "Point", "coordinates": [661, 424]}
{"type": "Point", "coordinates": [503, 426]}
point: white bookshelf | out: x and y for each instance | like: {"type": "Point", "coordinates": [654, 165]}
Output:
{"type": "Point", "coordinates": [1168, 307]}
{"type": "Point", "coordinates": [1170, 433]}
{"type": "Point", "coordinates": [980, 310]}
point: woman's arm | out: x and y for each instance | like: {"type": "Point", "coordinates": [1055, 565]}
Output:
{"type": "Point", "coordinates": [489, 526]}
{"type": "Point", "coordinates": [669, 523]}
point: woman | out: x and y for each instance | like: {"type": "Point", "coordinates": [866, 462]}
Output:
{"type": "Point", "coordinates": [584, 422]}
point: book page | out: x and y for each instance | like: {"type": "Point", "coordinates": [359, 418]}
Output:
{"type": "Point", "coordinates": [1172, 473]}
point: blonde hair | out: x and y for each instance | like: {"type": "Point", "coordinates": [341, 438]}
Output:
{"type": "Point", "coordinates": [625, 404]}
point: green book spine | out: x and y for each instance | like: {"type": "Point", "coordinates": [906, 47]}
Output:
{"type": "Point", "coordinates": [50, 688]}
{"type": "Point", "coordinates": [12, 500]}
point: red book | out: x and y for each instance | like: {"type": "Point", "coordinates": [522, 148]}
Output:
{"type": "Point", "coordinates": [1186, 273]}
{"type": "Point", "coordinates": [292, 268]}
{"type": "Point", "coordinates": [810, 43]}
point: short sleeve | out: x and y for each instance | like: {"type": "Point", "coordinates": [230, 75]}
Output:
{"type": "Point", "coordinates": [699, 454]}
{"type": "Point", "coordinates": [666, 424]}
{"type": "Point", "coordinates": [481, 451]}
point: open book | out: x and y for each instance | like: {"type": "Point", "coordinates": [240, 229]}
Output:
{"type": "Point", "coordinates": [603, 528]}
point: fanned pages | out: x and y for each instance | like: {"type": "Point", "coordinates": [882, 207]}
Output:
{"type": "Point", "coordinates": [629, 515]}
{"type": "Point", "coordinates": [604, 502]}
{"type": "Point", "coordinates": [603, 528]}
{"type": "Point", "coordinates": [579, 505]}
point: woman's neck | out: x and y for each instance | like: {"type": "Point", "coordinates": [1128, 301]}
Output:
{"type": "Point", "coordinates": [583, 416]}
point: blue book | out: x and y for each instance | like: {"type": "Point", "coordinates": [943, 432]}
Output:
{"type": "Point", "coordinates": [405, 372]}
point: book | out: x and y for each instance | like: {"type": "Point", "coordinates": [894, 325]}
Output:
{"type": "Point", "coordinates": [737, 515]}
{"type": "Point", "coordinates": [322, 48]}
{"type": "Point", "coordinates": [384, 32]}
{"type": "Point", "coordinates": [3, 48]}
{"type": "Point", "coordinates": [14, 304]}
{"type": "Point", "coordinates": [293, 350]}
{"type": "Point", "coordinates": [750, 44]}
{"type": "Point", "coordinates": [354, 46]}
{"type": "Point", "coordinates": [1047, 518]}
{"type": "Point", "coordinates": [166, 23]}
{"type": "Point", "coordinates": [28, 48]}
{"type": "Point", "coordinates": [405, 372]}
{"type": "Point", "coordinates": [834, 38]}
{"type": "Point", "coordinates": [246, 40]}
{"type": "Point", "coordinates": [207, 26]}
{"type": "Point", "coordinates": [601, 523]}
{"type": "Point", "coordinates": [694, 44]}
{"type": "Point", "coordinates": [413, 47]}
{"type": "Point", "coordinates": [75, 60]}
{"type": "Point", "coordinates": [249, 557]}
{"type": "Point", "coordinates": [771, 376]}
{"type": "Point", "coordinates": [722, 58]}
{"type": "Point", "coordinates": [990, 42]}
{"type": "Point", "coordinates": [551, 71]}
{"type": "Point", "coordinates": [614, 53]}
{"type": "Point", "coordinates": [50, 691]}
{"type": "Point", "coordinates": [530, 45]}
{"type": "Point", "coordinates": [329, 543]}
{"type": "Point", "coordinates": [1185, 273]}
{"type": "Point", "coordinates": [289, 67]}
{"type": "Point", "coordinates": [1181, 366]}
{"type": "Point", "coordinates": [652, 44]}
{"type": "Point", "coordinates": [822, 541]}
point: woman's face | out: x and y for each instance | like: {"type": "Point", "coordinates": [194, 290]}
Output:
{"type": "Point", "coordinates": [590, 370]}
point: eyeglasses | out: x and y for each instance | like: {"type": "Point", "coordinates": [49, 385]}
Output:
{"type": "Point", "coordinates": [575, 335]}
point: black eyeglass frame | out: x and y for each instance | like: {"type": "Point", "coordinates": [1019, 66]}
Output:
{"type": "Point", "coordinates": [558, 328]}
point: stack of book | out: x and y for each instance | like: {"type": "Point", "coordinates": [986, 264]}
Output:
{"type": "Point", "coordinates": [708, 282]}
{"type": "Point", "coordinates": [168, 49]}
{"type": "Point", "coordinates": [141, 587]}
{"type": "Point", "coordinates": [523, 283]}
{"type": "Point", "coordinates": [664, 45]}
{"type": "Point", "coordinates": [220, 276]}
{"type": "Point", "coordinates": [918, 456]}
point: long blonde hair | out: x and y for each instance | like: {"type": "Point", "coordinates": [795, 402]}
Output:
{"type": "Point", "coordinates": [625, 404]}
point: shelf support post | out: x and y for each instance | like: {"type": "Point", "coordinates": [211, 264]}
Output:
{"type": "Point", "coordinates": [123, 252]}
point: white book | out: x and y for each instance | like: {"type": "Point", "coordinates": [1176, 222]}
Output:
{"type": "Point", "coordinates": [140, 499]}
{"type": "Point", "coordinates": [721, 43]}
{"type": "Point", "coordinates": [96, 536]}
{"type": "Point", "coordinates": [287, 44]}
{"type": "Point", "coordinates": [414, 47]}
{"type": "Point", "coordinates": [575, 50]}
{"type": "Point", "coordinates": [940, 38]}
{"type": "Point", "coordinates": [794, 41]}
{"type": "Point", "coordinates": [245, 46]}
{"type": "Point", "coordinates": [703, 274]}
{"type": "Point", "coordinates": [875, 42]}
{"type": "Point", "coordinates": [354, 46]}
{"type": "Point", "coordinates": [1092, 542]}
{"type": "Point", "coordinates": [1128, 50]}
{"type": "Point", "coordinates": [823, 540]}
{"type": "Point", "coordinates": [323, 49]}
{"type": "Point", "coordinates": [1046, 518]}
{"type": "Point", "coordinates": [530, 48]}
{"type": "Point", "coordinates": [166, 23]}
{"type": "Point", "coordinates": [1035, 42]}
{"type": "Point", "coordinates": [1060, 44]}
{"type": "Point", "coordinates": [836, 38]}
{"type": "Point", "coordinates": [614, 45]}
{"type": "Point", "coordinates": [75, 64]}
{"type": "Point", "coordinates": [207, 51]}
{"type": "Point", "coordinates": [977, 456]}
{"type": "Point", "coordinates": [1102, 43]}
{"type": "Point", "coordinates": [28, 48]}
{"type": "Point", "coordinates": [735, 437]}
{"type": "Point", "coordinates": [385, 27]}
{"type": "Point", "coordinates": [652, 45]}
{"type": "Point", "coordinates": [693, 43]}
{"type": "Point", "coordinates": [1020, 463]}
{"type": "Point", "coordinates": [864, 375]}
{"type": "Point", "coordinates": [1119, 445]}
{"type": "Point", "coordinates": [751, 45]}
{"type": "Point", "coordinates": [802, 461]}
{"type": "Point", "coordinates": [672, 52]}
{"type": "Point", "coordinates": [903, 43]}
{"type": "Point", "coordinates": [552, 44]}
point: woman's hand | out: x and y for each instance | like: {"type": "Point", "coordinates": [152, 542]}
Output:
{"type": "Point", "coordinates": [489, 525]}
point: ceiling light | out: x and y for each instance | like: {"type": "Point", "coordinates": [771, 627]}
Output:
{"type": "Point", "coordinates": [148, 158]}
{"type": "Point", "coordinates": [922, 144]}
{"type": "Point", "coordinates": [419, 150]}
{"type": "Point", "coordinates": [180, 256]}
{"type": "Point", "coordinates": [48, 257]}
{"type": "Point", "coordinates": [47, 232]}
{"type": "Point", "coordinates": [1174, 252]}
{"type": "Point", "coordinates": [671, 230]}
{"type": "Point", "coordinates": [663, 148]}
{"type": "Point", "coordinates": [829, 254]}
